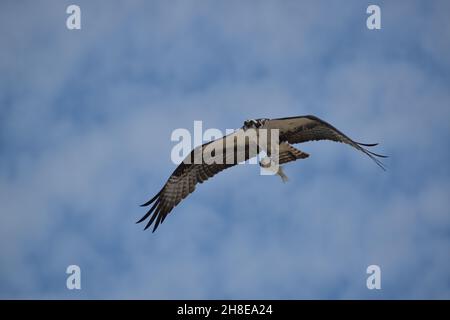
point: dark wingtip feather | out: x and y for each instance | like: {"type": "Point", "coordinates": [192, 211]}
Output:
{"type": "Point", "coordinates": [150, 222]}
{"type": "Point", "coordinates": [378, 162]}
{"type": "Point", "coordinates": [155, 227]}
{"type": "Point", "coordinates": [149, 212]}
{"type": "Point", "coordinates": [367, 144]}
{"type": "Point", "coordinates": [146, 227]}
{"type": "Point", "coordinates": [377, 154]}
{"type": "Point", "coordinates": [158, 220]}
{"type": "Point", "coordinates": [156, 213]}
{"type": "Point", "coordinates": [151, 200]}
{"type": "Point", "coordinates": [371, 154]}
{"type": "Point", "coordinates": [373, 157]}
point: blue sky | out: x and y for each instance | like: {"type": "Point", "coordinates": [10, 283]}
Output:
{"type": "Point", "coordinates": [86, 119]}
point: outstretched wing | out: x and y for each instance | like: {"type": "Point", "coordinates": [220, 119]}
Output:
{"type": "Point", "coordinates": [310, 128]}
{"type": "Point", "coordinates": [184, 179]}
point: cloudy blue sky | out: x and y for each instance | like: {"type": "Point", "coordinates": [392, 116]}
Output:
{"type": "Point", "coordinates": [86, 119]}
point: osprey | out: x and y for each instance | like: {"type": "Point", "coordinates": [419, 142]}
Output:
{"type": "Point", "coordinates": [290, 131]}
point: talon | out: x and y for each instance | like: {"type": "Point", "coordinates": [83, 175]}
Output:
{"type": "Point", "coordinates": [265, 162]}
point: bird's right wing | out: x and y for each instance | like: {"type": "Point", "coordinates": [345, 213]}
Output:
{"type": "Point", "coordinates": [310, 128]}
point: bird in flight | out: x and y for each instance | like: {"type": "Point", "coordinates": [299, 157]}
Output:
{"type": "Point", "coordinates": [232, 150]}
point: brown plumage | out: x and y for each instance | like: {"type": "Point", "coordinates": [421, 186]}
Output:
{"type": "Point", "coordinates": [292, 130]}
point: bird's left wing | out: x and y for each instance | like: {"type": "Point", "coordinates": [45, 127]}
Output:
{"type": "Point", "coordinates": [310, 128]}
{"type": "Point", "coordinates": [184, 179]}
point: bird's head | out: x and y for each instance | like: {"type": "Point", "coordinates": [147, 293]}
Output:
{"type": "Point", "coordinates": [254, 123]}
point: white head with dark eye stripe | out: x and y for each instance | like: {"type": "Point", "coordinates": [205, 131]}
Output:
{"type": "Point", "coordinates": [254, 123]}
